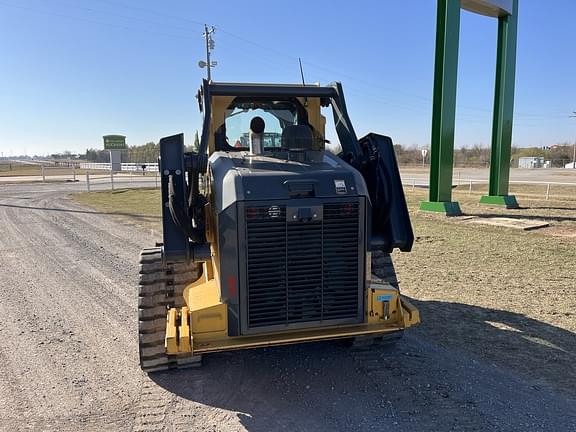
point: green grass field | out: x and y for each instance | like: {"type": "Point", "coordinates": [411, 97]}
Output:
{"type": "Point", "coordinates": [21, 170]}
{"type": "Point", "coordinates": [137, 206]}
{"type": "Point", "coordinates": [9, 170]}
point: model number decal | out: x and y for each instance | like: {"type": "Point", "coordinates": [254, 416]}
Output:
{"type": "Point", "coordinates": [340, 186]}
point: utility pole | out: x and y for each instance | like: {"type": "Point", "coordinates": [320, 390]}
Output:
{"type": "Point", "coordinates": [574, 154]}
{"type": "Point", "coordinates": [209, 47]}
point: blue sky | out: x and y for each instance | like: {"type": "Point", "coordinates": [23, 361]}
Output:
{"type": "Point", "coordinates": [74, 70]}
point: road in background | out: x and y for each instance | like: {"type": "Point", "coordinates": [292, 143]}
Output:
{"type": "Point", "coordinates": [409, 174]}
{"type": "Point", "coordinates": [62, 183]}
{"type": "Point", "coordinates": [551, 175]}
{"type": "Point", "coordinates": [68, 352]}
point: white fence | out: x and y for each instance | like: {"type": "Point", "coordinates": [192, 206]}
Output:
{"type": "Point", "coordinates": [64, 172]}
{"type": "Point", "coordinates": [130, 179]}
{"type": "Point", "coordinates": [149, 167]}
{"type": "Point", "coordinates": [99, 177]}
{"type": "Point", "coordinates": [545, 189]}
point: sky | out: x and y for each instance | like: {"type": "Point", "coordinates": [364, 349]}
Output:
{"type": "Point", "coordinates": [74, 70]}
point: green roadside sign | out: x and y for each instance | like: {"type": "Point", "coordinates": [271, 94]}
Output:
{"type": "Point", "coordinates": [114, 142]}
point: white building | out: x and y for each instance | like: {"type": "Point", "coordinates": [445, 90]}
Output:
{"type": "Point", "coordinates": [531, 162]}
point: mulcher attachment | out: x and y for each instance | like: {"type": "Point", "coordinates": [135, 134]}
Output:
{"type": "Point", "coordinates": [161, 287]}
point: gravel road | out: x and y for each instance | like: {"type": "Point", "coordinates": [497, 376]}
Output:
{"type": "Point", "coordinates": [68, 353]}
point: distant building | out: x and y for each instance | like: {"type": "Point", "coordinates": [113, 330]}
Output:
{"type": "Point", "coordinates": [531, 162]}
{"type": "Point", "coordinates": [271, 139]}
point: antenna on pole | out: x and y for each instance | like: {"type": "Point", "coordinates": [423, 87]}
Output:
{"type": "Point", "coordinates": [303, 82]}
{"type": "Point", "coordinates": [209, 47]}
{"type": "Point", "coordinates": [574, 154]}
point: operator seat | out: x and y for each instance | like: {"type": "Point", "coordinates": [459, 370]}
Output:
{"type": "Point", "coordinates": [297, 137]}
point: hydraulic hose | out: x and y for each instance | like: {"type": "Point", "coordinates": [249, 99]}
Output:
{"type": "Point", "coordinates": [179, 214]}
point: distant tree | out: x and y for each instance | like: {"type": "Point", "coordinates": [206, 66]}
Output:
{"type": "Point", "coordinates": [96, 155]}
{"type": "Point", "coordinates": [476, 156]}
{"type": "Point", "coordinates": [196, 145]}
{"type": "Point", "coordinates": [408, 155]}
{"type": "Point", "coordinates": [532, 152]}
{"type": "Point", "coordinates": [91, 155]}
{"type": "Point", "coordinates": [561, 154]}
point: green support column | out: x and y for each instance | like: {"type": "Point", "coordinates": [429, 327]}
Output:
{"type": "Point", "coordinates": [503, 113]}
{"type": "Point", "coordinates": [444, 110]}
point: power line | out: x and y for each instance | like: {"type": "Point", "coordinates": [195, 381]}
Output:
{"type": "Point", "coordinates": [153, 12]}
{"type": "Point", "coordinates": [128, 17]}
{"type": "Point", "coordinates": [77, 18]}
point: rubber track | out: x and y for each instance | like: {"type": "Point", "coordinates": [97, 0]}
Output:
{"type": "Point", "coordinates": [160, 287]}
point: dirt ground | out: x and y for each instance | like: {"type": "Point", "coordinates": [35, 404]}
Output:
{"type": "Point", "coordinates": [495, 351]}
{"type": "Point", "coordinates": [504, 295]}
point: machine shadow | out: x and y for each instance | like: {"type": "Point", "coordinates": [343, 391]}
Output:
{"type": "Point", "coordinates": [541, 352]}
{"type": "Point", "coordinates": [316, 385]}
{"type": "Point", "coordinates": [282, 388]}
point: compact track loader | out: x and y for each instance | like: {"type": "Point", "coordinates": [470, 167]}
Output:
{"type": "Point", "coordinates": [269, 238]}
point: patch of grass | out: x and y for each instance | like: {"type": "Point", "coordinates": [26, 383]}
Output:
{"type": "Point", "coordinates": [21, 170]}
{"type": "Point", "coordinates": [139, 206]}
{"type": "Point", "coordinates": [560, 214]}
{"type": "Point", "coordinates": [10, 170]}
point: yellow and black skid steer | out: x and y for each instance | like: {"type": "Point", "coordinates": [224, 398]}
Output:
{"type": "Point", "coordinates": [272, 234]}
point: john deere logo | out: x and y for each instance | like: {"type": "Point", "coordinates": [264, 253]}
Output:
{"type": "Point", "coordinates": [274, 211]}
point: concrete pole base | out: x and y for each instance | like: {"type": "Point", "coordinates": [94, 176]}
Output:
{"type": "Point", "coordinates": [448, 208]}
{"type": "Point", "coordinates": [508, 201]}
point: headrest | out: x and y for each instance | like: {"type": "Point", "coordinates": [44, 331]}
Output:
{"type": "Point", "coordinates": [297, 137]}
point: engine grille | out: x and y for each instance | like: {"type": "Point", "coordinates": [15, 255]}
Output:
{"type": "Point", "coordinates": [302, 272]}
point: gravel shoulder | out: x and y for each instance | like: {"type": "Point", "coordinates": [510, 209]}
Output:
{"type": "Point", "coordinates": [68, 353]}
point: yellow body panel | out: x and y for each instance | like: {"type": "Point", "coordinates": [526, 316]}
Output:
{"type": "Point", "coordinates": [171, 342]}
{"type": "Point", "coordinates": [184, 336]}
{"type": "Point", "coordinates": [219, 105]}
{"type": "Point", "coordinates": [410, 314]}
{"type": "Point", "coordinates": [208, 316]}
{"type": "Point", "coordinates": [291, 337]}
{"type": "Point", "coordinates": [383, 304]}
{"type": "Point", "coordinates": [203, 324]}
{"type": "Point", "coordinates": [315, 118]}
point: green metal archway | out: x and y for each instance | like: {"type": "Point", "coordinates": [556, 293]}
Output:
{"type": "Point", "coordinates": [444, 104]}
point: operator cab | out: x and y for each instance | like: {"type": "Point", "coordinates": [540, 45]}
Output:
{"type": "Point", "coordinates": [271, 126]}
